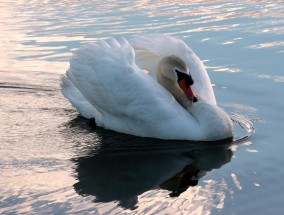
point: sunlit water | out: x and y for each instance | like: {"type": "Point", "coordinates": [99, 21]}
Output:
{"type": "Point", "coordinates": [52, 162]}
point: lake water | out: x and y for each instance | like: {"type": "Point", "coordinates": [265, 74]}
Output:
{"type": "Point", "coordinates": [52, 162]}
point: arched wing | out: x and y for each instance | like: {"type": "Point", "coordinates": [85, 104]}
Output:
{"type": "Point", "coordinates": [125, 98]}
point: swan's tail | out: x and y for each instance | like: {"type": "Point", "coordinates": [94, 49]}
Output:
{"type": "Point", "coordinates": [77, 99]}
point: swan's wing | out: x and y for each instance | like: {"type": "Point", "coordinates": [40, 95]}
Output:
{"type": "Point", "coordinates": [126, 99]}
{"type": "Point", "coordinates": [151, 48]}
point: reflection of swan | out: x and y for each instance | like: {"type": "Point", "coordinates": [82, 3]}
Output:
{"type": "Point", "coordinates": [203, 160]}
{"type": "Point", "coordinates": [121, 167]}
{"type": "Point", "coordinates": [104, 82]}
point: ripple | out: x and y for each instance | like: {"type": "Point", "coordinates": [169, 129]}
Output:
{"type": "Point", "coordinates": [243, 128]}
{"type": "Point", "coordinates": [29, 35]}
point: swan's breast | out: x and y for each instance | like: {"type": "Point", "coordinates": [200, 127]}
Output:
{"type": "Point", "coordinates": [215, 124]}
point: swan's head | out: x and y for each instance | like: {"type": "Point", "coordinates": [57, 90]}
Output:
{"type": "Point", "coordinates": [173, 74]}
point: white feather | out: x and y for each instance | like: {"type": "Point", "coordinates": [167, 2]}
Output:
{"type": "Point", "coordinates": [104, 82]}
{"type": "Point", "coordinates": [150, 49]}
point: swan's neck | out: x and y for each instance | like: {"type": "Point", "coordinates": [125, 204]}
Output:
{"type": "Point", "coordinates": [174, 89]}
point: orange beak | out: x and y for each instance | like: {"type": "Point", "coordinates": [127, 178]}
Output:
{"type": "Point", "coordinates": [187, 90]}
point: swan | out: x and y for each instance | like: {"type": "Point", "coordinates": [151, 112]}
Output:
{"type": "Point", "coordinates": [149, 86]}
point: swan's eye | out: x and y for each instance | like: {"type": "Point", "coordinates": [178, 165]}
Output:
{"type": "Point", "coordinates": [177, 71]}
{"type": "Point", "coordinates": [184, 76]}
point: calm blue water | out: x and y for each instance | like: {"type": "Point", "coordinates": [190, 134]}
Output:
{"type": "Point", "coordinates": [52, 162]}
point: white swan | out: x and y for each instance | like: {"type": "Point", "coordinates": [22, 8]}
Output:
{"type": "Point", "coordinates": [160, 101]}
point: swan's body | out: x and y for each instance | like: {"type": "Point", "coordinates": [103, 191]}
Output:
{"type": "Point", "coordinates": [104, 82]}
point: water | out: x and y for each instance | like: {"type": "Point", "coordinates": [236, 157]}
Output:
{"type": "Point", "coordinates": [52, 162]}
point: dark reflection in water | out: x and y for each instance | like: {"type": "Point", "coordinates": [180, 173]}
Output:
{"type": "Point", "coordinates": [119, 167]}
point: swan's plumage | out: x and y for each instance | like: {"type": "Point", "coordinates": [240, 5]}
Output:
{"type": "Point", "coordinates": [151, 49]}
{"type": "Point", "coordinates": [104, 82]}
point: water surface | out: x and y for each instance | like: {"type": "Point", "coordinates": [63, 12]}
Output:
{"type": "Point", "coordinates": [52, 162]}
